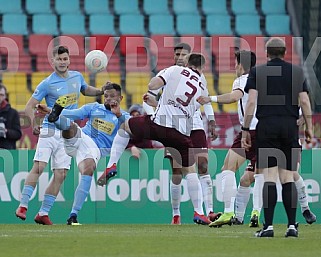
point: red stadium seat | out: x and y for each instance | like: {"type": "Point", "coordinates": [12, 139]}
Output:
{"type": "Point", "coordinates": [75, 44]}
{"type": "Point", "coordinates": [20, 62]}
{"type": "Point", "coordinates": [40, 44]}
{"type": "Point", "coordinates": [162, 50]}
{"type": "Point", "coordinates": [107, 44]}
{"type": "Point", "coordinates": [133, 48]}
{"type": "Point", "coordinates": [223, 48]}
{"type": "Point", "coordinates": [255, 43]}
{"type": "Point", "coordinates": [11, 43]}
{"type": "Point", "coordinates": [198, 45]}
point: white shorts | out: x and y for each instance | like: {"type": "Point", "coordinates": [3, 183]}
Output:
{"type": "Point", "coordinates": [51, 146]}
{"type": "Point", "coordinates": [82, 147]}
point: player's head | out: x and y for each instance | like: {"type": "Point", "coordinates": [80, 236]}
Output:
{"type": "Point", "coordinates": [112, 92]}
{"type": "Point", "coordinates": [60, 59]}
{"type": "Point", "coordinates": [244, 61]}
{"type": "Point", "coordinates": [275, 48]}
{"type": "Point", "coordinates": [3, 93]}
{"type": "Point", "coordinates": [180, 51]}
{"type": "Point", "coordinates": [136, 110]}
{"type": "Point", "coordinates": [195, 61]}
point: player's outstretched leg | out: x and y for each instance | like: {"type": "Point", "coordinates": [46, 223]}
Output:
{"type": "Point", "coordinates": [109, 173]}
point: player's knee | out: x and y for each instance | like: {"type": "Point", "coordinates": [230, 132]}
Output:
{"type": "Point", "coordinates": [202, 167]}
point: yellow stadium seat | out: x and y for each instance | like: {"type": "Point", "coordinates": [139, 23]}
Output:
{"type": "Point", "coordinates": [37, 77]}
{"type": "Point", "coordinates": [225, 82]}
{"type": "Point", "coordinates": [137, 85]}
{"type": "Point", "coordinates": [211, 90]}
{"type": "Point", "coordinates": [18, 93]}
{"type": "Point", "coordinates": [103, 77]}
{"type": "Point", "coordinates": [225, 86]}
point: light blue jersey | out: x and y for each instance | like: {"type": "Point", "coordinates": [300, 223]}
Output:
{"type": "Point", "coordinates": [102, 124]}
{"type": "Point", "coordinates": [54, 86]}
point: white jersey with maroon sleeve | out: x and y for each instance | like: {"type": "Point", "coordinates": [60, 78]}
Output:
{"type": "Point", "coordinates": [239, 84]}
{"type": "Point", "coordinates": [197, 119]}
{"type": "Point", "coordinates": [177, 104]}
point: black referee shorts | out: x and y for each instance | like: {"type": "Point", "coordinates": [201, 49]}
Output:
{"type": "Point", "coordinates": [277, 142]}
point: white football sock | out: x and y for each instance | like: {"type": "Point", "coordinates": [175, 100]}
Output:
{"type": "Point", "coordinates": [207, 190]}
{"type": "Point", "coordinates": [195, 192]}
{"type": "Point", "coordinates": [118, 147]}
{"type": "Point", "coordinates": [175, 198]}
{"type": "Point", "coordinates": [258, 192]}
{"type": "Point", "coordinates": [302, 195]}
{"type": "Point", "coordinates": [228, 190]}
{"type": "Point", "coordinates": [241, 201]}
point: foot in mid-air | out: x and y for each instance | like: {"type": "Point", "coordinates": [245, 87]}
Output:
{"type": "Point", "coordinates": [309, 216]}
{"type": "Point", "coordinates": [57, 109]}
{"type": "Point", "coordinates": [225, 219]}
{"type": "Point", "coordinates": [255, 219]}
{"type": "Point", "coordinates": [109, 173]}
{"type": "Point", "coordinates": [21, 212]}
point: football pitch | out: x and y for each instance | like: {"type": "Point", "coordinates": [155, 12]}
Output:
{"type": "Point", "coordinates": [153, 240]}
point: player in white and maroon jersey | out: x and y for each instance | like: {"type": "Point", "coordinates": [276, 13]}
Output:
{"type": "Point", "coordinates": [236, 155]}
{"type": "Point", "coordinates": [199, 140]}
{"type": "Point", "coordinates": [171, 125]}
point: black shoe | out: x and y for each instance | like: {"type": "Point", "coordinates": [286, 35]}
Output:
{"type": "Point", "coordinates": [254, 222]}
{"type": "Point", "coordinates": [237, 222]}
{"type": "Point", "coordinates": [268, 232]}
{"type": "Point", "coordinates": [57, 109]}
{"type": "Point", "coordinates": [73, 221]}
{"type": "Point", "coordinates": [292, 230]}
{"type": "Point", "coordinates": [309, 216]}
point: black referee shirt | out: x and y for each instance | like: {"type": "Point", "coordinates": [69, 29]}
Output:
{"type": "Point", "coordinates": [278, 84]}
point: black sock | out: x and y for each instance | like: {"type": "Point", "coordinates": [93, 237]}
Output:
{"type": "Point", "coordinates": [290, 201]}
{"type": "Point", "coordinates": [269, 202]}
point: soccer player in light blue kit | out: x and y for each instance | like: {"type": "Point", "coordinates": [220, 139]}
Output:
{"type": "Point", "coordinates": [61, 82]}
{"type": "Point", "coordinates": [93, 141]}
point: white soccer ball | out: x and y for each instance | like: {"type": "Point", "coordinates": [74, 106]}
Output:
{"type": "Point", "coordinates": [96, 61]}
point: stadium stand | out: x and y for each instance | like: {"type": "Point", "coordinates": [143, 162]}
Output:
{"type": "Point", "coordinates": [138, 36]}
{"type": "Point", "coordinates": [214, 7]}
{"type": "Point", "coordinates": [96, 7]}
{"type": "Point", "coordinates": [14, 6]}
{"type": "Point", "coordinates": [45, 23]}
{"type": "Point", "coordinates": [126, 7]}
{"type": "Point", "coordinates": [38, 7]}
{"type": "Point", "coordinates": [155, 7]}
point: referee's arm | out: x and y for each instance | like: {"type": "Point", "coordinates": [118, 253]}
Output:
{"type": "Point", "coordinates": [307, 114]}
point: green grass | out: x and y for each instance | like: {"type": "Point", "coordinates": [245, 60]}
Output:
{"type": "Point", "coordinates": [154, 240]}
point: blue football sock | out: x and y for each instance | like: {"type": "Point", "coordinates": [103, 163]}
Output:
{"type": "Point", "coordinates": [47, 203]}
{"type": "Point", "coordinates": [25, 195]}
{"type": "Point", "coordinates": [63, 123]}
{"type": "Point", "coordinates": [81, 193]}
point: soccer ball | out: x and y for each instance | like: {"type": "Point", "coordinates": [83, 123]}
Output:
{"type": "Point", "coordinates": [96, 61]}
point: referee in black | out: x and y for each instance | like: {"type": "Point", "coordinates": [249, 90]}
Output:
{"type": "Point", "coordinates": [276, 89]}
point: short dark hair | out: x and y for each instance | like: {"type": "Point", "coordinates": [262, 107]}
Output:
{"type": "Point", "coordinates": [182, 46]}
{"type": "Point", "coordinates": [275, 47]}
{"type": "Point", "coordinates": [60, 50]}
{"type": "Point", "coordinates": [109, 86]}
{"type": "Point", "coordinates": [246, 58]}
{"type": "Point", "coordinates": [196, 60]}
